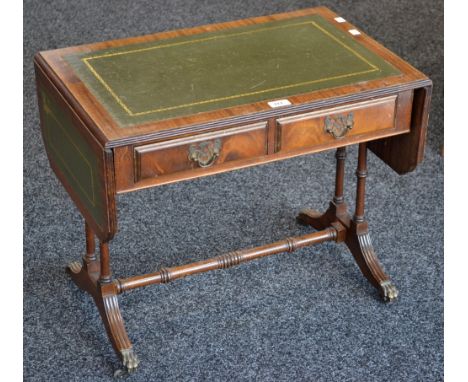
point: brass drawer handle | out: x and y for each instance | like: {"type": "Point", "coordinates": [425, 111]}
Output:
{"type": "Point", "coordinates": [205, 153]}
{"type": "Point", "coordinates": [339, 125]}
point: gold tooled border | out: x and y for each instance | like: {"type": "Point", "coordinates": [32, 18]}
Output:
{"type": "Point", "coordinates": [48, 111]}
{"type": "Point", "coordinates": [130, 113]}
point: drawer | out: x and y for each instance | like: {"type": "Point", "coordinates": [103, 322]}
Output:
{"type": "Point", "coordinates": [342, 124]}
{"type": "Point", "coordinates": [201, 152]}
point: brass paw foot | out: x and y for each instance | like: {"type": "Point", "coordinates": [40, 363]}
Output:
{"type": "Point", "coordinates": [388, 291]}
{"type": "Point", "coordinates": [130, 363]}
{"type": "Point", "coordinates": [129, 359]}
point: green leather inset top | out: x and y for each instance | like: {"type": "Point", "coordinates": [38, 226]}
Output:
{"type": "Point", "coordinates": [186, 75]}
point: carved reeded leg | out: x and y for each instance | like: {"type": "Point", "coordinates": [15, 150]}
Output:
{"type": "Point", "coordinates": [108, 305]}
{"type": "Point", "coordinates": [95, 278]}
{"type": "Point", "coordinates": [359, 243]}
{"type": "Point", "coordinates": [357, 237]}
{"type": "Point", "coordinates": [358, 240]}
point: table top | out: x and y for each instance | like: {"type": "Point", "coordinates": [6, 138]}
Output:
{"type": "Point", "coordinates": [195, 77]}
{"type": "Point", "coordinates": [185, 75]}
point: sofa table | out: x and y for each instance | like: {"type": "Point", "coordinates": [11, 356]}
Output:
{"type": "Point", "coordinates": [123, 115]}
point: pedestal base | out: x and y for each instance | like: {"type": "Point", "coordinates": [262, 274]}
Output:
{"type": "Point", "coordinates": [357, 239]}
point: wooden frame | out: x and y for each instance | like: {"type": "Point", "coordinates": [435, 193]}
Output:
{"type": "Point", "coordinates": [390, 113]}
{"type": "Point", "coordinates": [110, 135]}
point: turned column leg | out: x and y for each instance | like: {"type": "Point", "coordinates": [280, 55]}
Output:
{"type": "Point", "coordinates": [358, 239]}
{"type": "Point", "coordinates": [90, 261]}
{"type": "Point", "coordinates": [338, 208]}
{"type": "Point", "coordinates": [90, 244]}
{"type": "Point", "coordinates": [340, 156]}
{"type": "Point", "coordinates": [361, 174]}
{"type": "Point", "coordinates": [105, 275]}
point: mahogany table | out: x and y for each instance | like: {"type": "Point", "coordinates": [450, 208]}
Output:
{"type": "Point", "coordinates": [123, 115]}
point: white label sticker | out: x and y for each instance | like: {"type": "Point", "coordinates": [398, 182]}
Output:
{"type": "Point", "coordinates": [340, 20]}
{"type": "Point", "coordinates": [280, 102]}
{"type": "Point", "coordinates": [354, 32]}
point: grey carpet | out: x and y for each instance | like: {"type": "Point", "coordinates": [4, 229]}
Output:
{"type": "Point", "coordinates": [307, 316]}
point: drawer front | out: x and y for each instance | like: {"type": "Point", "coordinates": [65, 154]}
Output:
{"type": "Point", "coordinates": [342, 124]}
{"type": "Point", "coordinates": [200, 152]}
